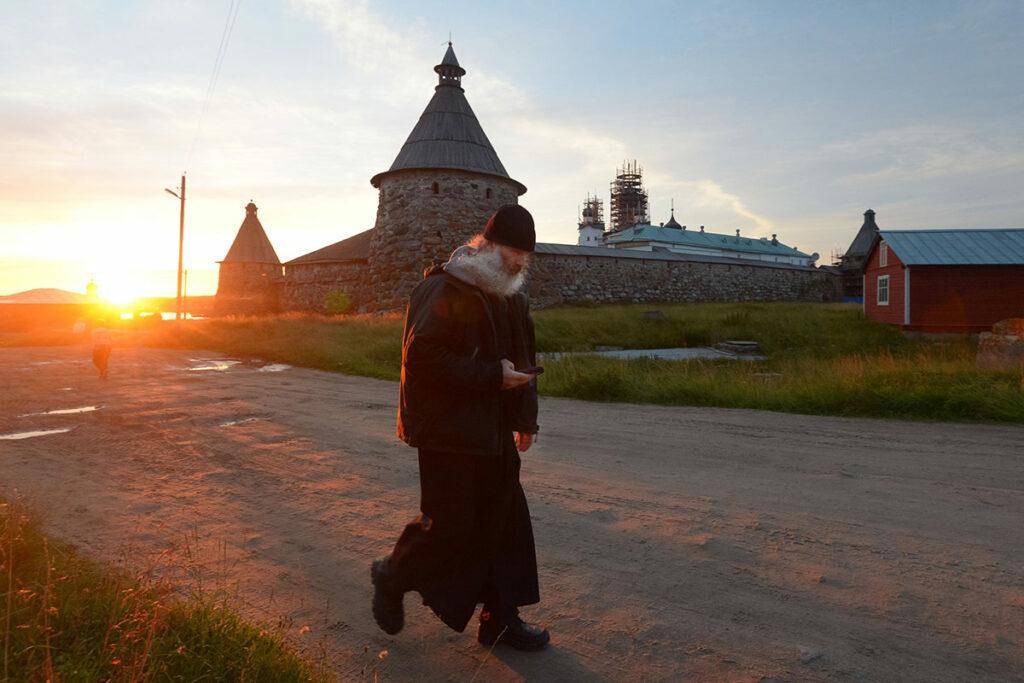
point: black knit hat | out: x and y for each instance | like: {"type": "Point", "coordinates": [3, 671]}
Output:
{"type": "Point", "coordinates": [512, 225]}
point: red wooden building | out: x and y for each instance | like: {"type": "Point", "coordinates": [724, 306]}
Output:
{"type": "Point", "coordinates": [945, 280]}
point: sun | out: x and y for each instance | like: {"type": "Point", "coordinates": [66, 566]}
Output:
{"type": "Point", "coordinates": [121, 288]}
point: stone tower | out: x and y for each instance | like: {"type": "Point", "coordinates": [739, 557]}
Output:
{"type": "Point", "coordinates": [250, 273]}
{"type": "Point", "coordinates": [444, 184]}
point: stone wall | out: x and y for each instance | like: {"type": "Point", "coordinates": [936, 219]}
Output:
{"type": "Point", "coordinates": [600, 276]}
{"type": "Point", "coordinates": [307, 285]}
{"type": "Point", "coordinates": [607, 277]}
{"type": "Point", "coordinates": [248, 288]}
{"type": "Point", "coordinates": [422, 216]}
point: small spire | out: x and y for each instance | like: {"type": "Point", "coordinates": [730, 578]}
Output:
{"type": "Point", "coordinates": [250, 209]}
{"type": "Point", "coordinates": [672, 222]}
{"type": "Point", "coordinates": [448, 71]}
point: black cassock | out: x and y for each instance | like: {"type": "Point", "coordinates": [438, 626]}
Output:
{"type": "Point", "coordinates": [473, 541]}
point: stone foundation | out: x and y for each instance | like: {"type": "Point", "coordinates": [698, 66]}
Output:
{"type": "Point", "coordinates": [1003, 347]}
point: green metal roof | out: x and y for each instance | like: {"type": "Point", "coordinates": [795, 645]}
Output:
{"type": "Point", "coordinates": [705, 240]}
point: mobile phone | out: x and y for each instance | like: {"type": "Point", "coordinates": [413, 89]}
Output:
{"type": "Point", "coordinates": [535, 370]}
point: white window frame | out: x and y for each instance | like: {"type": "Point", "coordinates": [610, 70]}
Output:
{"type": "Point", "coordinates": [878, 289]}
{"type": "Point", "coordinates": [883, 254]}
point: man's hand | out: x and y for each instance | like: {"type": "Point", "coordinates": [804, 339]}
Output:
{"type": "Point", "coordinates": [510, 377]}
{"type": "Point", "coordinates": [523, 442]}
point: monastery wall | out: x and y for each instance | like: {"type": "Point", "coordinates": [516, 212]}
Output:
{"type": "Point", "coordinates": [602, 277]}
{"type": "Point", "coordinates": [612, 278]}
{"type": "Point", "coordinates": [306, 286]}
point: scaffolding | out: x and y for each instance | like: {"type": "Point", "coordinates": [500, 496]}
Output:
{"type": "Point", "coordinates": [592, 213]}
{"type": "Point", "coordinates": [629, 198]}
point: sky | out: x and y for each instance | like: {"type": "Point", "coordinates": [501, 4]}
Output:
{"type": "Point", "coordinates": [782, 117]}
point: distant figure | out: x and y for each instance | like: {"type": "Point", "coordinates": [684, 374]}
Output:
{"type": "Point", "coordinates": [102, 343]}
{"type": "Point", "coordinates": [469, 408]}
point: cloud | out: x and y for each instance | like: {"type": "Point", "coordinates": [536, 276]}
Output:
{"type": "Point", "coordinates": [924, 152]}
{"type": "Point", "coordinates": [709, 195]}
{"type": "Point", "coordinates": [366, 38]}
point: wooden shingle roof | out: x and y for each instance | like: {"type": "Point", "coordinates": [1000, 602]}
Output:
{"type": "Point", "coordinates": [862, 243]}
{"type": "Point", "coordinates": [448, 134]}
{"type": "Point", "coordinates": [354, 248]}
{"type": "Point", "coordinates": [251, 244]}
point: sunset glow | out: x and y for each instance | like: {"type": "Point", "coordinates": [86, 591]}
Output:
{"type": "Point", "coordinates": [746, 116]}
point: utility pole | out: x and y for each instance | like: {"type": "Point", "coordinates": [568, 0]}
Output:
{"type": "Point", "coordinates": [181, 243]}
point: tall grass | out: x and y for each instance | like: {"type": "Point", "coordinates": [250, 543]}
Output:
{"type": "Point", "coordinates": [359, 345]}
{"type": "Point", "coordinates": [921, 386]}
{"type": "Point", "coordinates": [67, 618]}
{"type": "Point", "coordinates": [823, 359]}
{"type": "Point", "coordinates": [820, 359]}
{"type": "Point", "coordinates": [821, 330]}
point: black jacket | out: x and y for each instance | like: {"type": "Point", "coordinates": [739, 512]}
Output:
{"type": "Point", "coordinates": [451, 398]}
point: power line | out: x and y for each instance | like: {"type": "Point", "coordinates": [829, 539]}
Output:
{"type": "Point", "coordinates": [222, 50]}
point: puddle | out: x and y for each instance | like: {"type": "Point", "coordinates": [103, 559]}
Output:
{"type": "Point", "coordinates": [213, 365]}
{"type": "Point", "coordinates": [238, 422]}
{"type": "Point", "coordinates": [57, 362]}
{"type": "Point", "coordinates": [66, 389]}
{"type": "Point", "coordinates": [275, 367]}
{"type": "Point", "coordinates": [221, 365]}
{"type": "Point", "coordinates": [38, 432]}
{"type": "Point", "coordinates": [65, 411]}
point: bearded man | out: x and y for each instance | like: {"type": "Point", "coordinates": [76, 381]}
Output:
{"type": "Point", "coordinates": [470, 411]}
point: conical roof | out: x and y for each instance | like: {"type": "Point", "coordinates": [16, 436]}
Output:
{"type": "Point", "coordinates": [672, 222]}
{"type": "Point", "coordinates": [251, 244]}
{"type": "Point", "coordinates": [448, 134]}
{"type": "Point", "coordinates": [862, 243]}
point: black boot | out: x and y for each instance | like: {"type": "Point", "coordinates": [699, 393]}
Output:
{"type": "Point", "coordinates": [387, 598]}
{"type": "Point", "coordinates": [508, 629]}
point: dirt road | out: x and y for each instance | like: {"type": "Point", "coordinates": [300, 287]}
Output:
{"type": "Point", "coordinates": [673, 543]}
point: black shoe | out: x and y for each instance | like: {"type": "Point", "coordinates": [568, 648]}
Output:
{"type": "Point", "coordinates": [387, 600]}
{"type": "Point", "coordinates": [511, 631]}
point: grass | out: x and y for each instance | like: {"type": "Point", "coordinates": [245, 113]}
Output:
{"type": "Point", "coordinates": [922, 386]}
{"type": "Point", "coordinates": [67, 618]}
{"type": "Point", "coordinates": [820, 330]}
{"type": "Point", "coordinates": [370, 346]}
{"type": "Point", "coordinates": [822, 359]}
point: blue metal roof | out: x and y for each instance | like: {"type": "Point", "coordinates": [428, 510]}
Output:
{"type": "Point", "coordinates": [957, 247]}
{"type": "Point", "coordinates": [706, 240]}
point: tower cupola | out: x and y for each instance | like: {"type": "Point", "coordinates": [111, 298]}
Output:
{"type": "Point", "coordinates": [672, 222]}
{"type": "Point", "coordinates": [448, 71]}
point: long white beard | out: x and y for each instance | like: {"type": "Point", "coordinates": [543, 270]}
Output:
{"type": "Point", "coordinates": [485, 270]}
